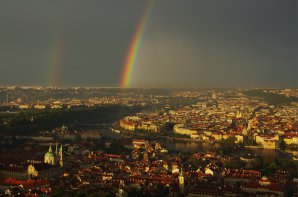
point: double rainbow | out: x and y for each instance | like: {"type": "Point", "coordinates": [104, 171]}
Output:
{"type": "Point", "coordinates": [131, 58]}
{"type": "Point", "coordinates": [57, 49]}
{"type": "Point", "coordinates": [56, 61]}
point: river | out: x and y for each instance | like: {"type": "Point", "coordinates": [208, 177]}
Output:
{"type": "Point", "coordinates": [193, 147]}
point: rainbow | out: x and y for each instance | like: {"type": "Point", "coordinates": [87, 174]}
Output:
{"type": "Point", "coordinates": [56, 54]}
{"type": "Point", "coordinates": [134, 48]}
{"type": "Point", "coordinates": [56, 61]}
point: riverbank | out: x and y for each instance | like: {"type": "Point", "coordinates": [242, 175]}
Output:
{"type": "Point", "coordinates": [291, 155]}
{"type": "Point", "coordinates": [253, 146]}
{"type": "Point", "coordinates": [195, 146]}
{"type": "Point", "coordinates": [191, 140]}
{"type": "Point", "coordinates": [154, 136]}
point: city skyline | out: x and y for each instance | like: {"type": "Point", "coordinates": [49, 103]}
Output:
{"type": "Point", "coordinates": [192, 44]}
{"type": "Point", "coordinates": [148, 142]}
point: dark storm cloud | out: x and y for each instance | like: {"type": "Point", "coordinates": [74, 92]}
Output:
{"type": "Point", "coordinates": [221, 43]}
{"type": "Point", "coordinates": [95, 36]}
{"type": "Point", "coordinates": [187, 43]}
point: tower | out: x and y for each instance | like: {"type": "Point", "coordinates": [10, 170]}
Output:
{"type": "Point", "coordinates": [56, 150]}
{"type": "Point", "coordinates": [181, 181]}
{"type": "Point", "coordinates": [61, 156]}
{"type": "Point", "coordinates": [64, 128]}
{"type": "Point", "coordinates": [145, 156]}
{"type": "Point", "coordinates": [50, 157]}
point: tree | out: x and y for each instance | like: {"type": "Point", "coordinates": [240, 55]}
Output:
{"type": "Point", "coordinates": [271, 168]}
{"type": "Point", "coordinates": [290, 166]}
{"type": "Point", "coordinates": [258, 163]}
{"type": "Point", "coordinates": [80, 193]}
{"type": "Point", "coordinates": [282, 145]}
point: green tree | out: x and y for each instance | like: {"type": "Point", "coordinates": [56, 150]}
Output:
{"type": "Point", "coordinates": [290, 166]}
{"type": "Point", "coordinates": [80, 193]}
{"type": "Point", "coordinates": [271, 168]}
{"type": "Point", "coordinates": [282, 145]}
{"type": "Point", "coordinates": [258, 163]}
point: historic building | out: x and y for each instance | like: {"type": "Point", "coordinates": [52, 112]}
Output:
{"type": "Point", "coordinates": [181, 181]}
{"type": "Point", "coordinates": [51, 167]}
{"type": "Point", "coordinates": [15, 172]}
{"type": "Point", "coordinates": [44, 170]}
{"type": "Point", "coordinates": [54, 158]}
{"type": "Point", "coordinates": [264, 187]}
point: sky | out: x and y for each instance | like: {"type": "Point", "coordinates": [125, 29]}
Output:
{"type": "Point", "coordinates": [186, 43]}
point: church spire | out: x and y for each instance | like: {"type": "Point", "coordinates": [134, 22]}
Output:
{"type": "Point", "coordinates": [61, 156]}
{"type": "Point", "coordinates": [181, 180]}
{"type": "Point", "coordinates": [56, 151]}
{"type": "Point", "coordinates": [50, 148]}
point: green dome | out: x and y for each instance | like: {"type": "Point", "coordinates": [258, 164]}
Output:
{"type": "Point", "coordinates": [50, 154]}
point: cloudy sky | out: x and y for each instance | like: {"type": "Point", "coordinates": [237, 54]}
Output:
{"type": "Point", "coordinates": [187, 43]}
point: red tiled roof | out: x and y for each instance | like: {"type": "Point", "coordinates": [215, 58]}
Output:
{"type": "Point", "coordinates": [272, 186]}
{"type": "Point", "coordinates": [13, 168]}
{"type": "Point", "coordinates": [26, 184]}
{"type": "Point", "coordinates": [113, 156]}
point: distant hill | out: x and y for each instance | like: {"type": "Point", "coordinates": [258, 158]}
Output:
{"type": "Point", "coordinates": [271, 98]}
{"type": "Point", "coordinates": [20, 123]}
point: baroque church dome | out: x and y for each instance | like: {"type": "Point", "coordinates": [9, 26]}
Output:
{"type": "Point", "coordinates": [50, 157]}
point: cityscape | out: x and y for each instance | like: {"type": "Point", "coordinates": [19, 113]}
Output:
{"type": "Point", "coordinates": [154, 142]}
{"type": "Point", "coordinates": [149, 98]}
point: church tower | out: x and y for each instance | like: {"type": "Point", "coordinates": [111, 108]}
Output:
{"type": "Point", "coordinates": [50, 157]}
{"type": "Point", "coordinates": [145, 156]}
{"type": "Point", "coordinates": [61, 163]}
{"type": "Point", "coordinates": [181, 181]}
{"type": "Point", "coordinates": [56, 152]}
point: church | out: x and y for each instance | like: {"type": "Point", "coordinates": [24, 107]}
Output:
{"type": "Point", "coordinates": [51, 167]}
{"type": "Point", "coordinates": [54, 158]}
